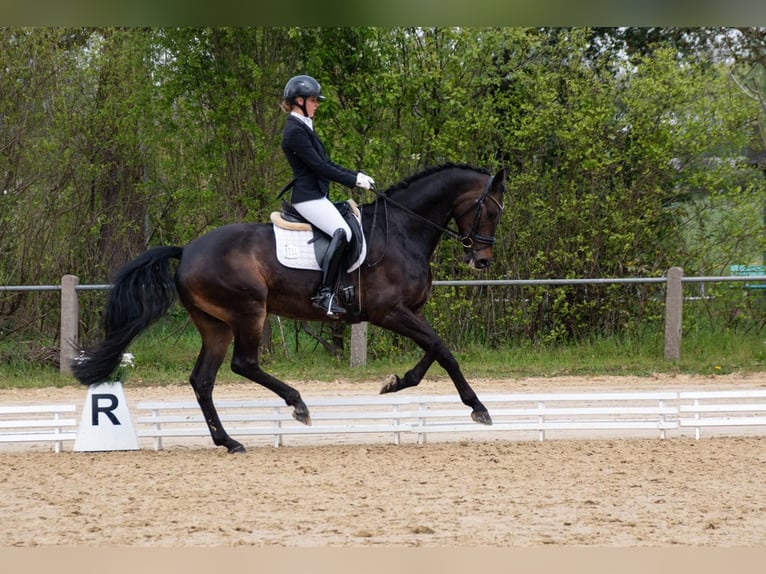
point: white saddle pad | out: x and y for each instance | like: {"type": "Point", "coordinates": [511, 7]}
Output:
{"type": "Point", "coordinates": [296, 250]}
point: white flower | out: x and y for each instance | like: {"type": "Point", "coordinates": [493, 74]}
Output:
{"type": "Point", "coordinates": [128, 360]}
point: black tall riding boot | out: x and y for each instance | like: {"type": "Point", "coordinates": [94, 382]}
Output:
{"type": "Point", "coordinates": [325, 298]}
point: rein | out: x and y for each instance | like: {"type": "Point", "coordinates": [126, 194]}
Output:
{"type": "Point", "coordinates": [466, 240]}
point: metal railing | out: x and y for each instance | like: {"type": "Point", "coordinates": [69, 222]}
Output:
{"type": "Point", "coordinates": [674, 280]}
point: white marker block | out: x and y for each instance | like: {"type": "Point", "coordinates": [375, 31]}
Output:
{"type": "Point", "coordinates": [106, 424]}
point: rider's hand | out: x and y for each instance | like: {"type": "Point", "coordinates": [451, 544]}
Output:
{"type": "Point", "coordinates": [364, 181]}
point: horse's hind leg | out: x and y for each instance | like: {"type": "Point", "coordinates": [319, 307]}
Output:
{"type": "Point", "coordinates": [244, 362]}
{"type": "Point", "coordinates": [216, 337]}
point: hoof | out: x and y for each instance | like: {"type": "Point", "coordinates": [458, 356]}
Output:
{"type": "Point", "coordinates": [391, 386]}
{"type": "Point", "coordinates": [481, 417]}
{"type": "Point", "coordinates": [237, 449]}
{"type": "Point", "coordinates": [301, 414]}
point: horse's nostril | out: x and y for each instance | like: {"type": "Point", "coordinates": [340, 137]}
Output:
{"type": "Point", "coordinates": [483, 263]}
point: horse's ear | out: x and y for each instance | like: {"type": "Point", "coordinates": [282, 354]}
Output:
{"type": "Point", "coordinates": [499, 179]}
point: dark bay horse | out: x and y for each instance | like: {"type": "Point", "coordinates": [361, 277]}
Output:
{"type": "Point", "coordinates": [229, 279]}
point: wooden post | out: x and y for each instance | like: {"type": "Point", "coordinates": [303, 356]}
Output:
{"type": "Point", "coordinates": [674, 302]}
{"type": "Point", "coordinates": [70, 317]}
{"type": "Point", "coordinates": [359, 344]}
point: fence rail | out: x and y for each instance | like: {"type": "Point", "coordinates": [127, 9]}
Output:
{"type": "Point", "coordinates": [38, 423]}
{"type": "Point", "coordinates": [396, 419]}
{"type": "Point", "coordinates": [674, 280]}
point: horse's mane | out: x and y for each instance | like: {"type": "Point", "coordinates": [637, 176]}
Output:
{"type": "Point", "coordinates": [429, 171]}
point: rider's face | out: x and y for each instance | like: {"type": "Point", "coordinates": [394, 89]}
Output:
{"type": "Point", "coordinates": [312, 103]}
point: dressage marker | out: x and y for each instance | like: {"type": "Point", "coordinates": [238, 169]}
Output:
{"type": "Point", "coordinates": [105, 423]}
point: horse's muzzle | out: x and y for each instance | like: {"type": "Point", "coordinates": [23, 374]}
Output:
{"type": "Point", "coordinates": [478, 260]}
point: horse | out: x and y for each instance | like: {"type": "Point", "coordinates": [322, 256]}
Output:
{"type": "Point", "coordinates": [229, 279]}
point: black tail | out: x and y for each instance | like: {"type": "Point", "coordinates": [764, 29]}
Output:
{"type": "Point", "coordinates": [143, 290]}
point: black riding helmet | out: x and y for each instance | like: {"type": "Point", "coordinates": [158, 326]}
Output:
{"type": "Point", "coordinates": [302, 87]}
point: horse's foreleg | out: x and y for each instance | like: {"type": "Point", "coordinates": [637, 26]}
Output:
{"type": "Point", "coordinates": [417, 328]}
{"type": "Point", "coordinates": [479, 412]}
{"type": "Point", "coordinates": [412, 377]}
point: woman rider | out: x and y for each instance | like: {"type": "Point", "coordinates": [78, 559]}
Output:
{"type": "Point", "coordinates": [313, 171]}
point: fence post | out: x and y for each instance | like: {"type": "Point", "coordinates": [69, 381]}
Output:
{"type": "Point", "coordinates": [674, 302]}
{"type": "Point", "coordinates": [359, 344]}
{"type": "Point", "coordinates": [70, 317]}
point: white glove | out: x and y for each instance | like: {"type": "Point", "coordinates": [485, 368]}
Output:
{"type": "Point", "coordinates": [364, 181]}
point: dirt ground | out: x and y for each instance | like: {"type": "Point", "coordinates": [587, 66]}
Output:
{"type": "Point", "coordinates": [606, 492]}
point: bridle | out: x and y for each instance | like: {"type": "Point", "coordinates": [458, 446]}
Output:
{"type": "Point", "coordinates": [471, 238]}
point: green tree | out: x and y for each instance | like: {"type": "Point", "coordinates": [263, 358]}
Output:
{"type": "Point", "coordinates": [628, 150]}
{"type": "Point", "coordinates": [220, 91]}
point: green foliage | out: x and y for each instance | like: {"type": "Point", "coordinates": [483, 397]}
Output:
{"type": "Point", "coordinates": [628, 153]}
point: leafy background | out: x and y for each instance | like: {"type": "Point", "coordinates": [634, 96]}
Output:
{"type": "Point", "coordinates": [630, 150]}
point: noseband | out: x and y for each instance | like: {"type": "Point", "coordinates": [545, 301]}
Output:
{"type": "Point", "coordinates": [469, 240]}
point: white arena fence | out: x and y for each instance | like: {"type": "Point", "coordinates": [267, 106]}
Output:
{"type": "Point", "coordinates": [399, 419]}
{"type": "Point", "coordinates": [42, 423]}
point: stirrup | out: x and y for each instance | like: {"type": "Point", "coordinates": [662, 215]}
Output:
{"type": "Point", "coordinates": [325, 300]}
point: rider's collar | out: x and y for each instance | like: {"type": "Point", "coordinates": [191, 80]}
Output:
{"type": "Point", "coordinates": [308, 121]}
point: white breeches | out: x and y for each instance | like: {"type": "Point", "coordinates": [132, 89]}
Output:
{"type": "Point", "coordinates": [323, 214]}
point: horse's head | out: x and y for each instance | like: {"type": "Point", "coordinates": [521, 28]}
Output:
{"type": "Point", "coordinates": [477, 214]}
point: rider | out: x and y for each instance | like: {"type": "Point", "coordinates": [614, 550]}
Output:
{"type": "Point", "coordinates": [313, 172]}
